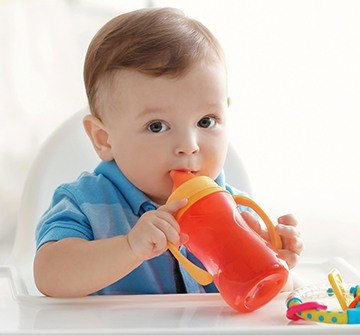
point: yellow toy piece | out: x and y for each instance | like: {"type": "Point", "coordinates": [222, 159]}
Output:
{"type": "Point", "coordinates": [337, 283]}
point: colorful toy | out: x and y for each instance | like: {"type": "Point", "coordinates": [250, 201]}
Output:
{"type": "Point", "coordinates": [244, 267]}
{"type": "Point", "coordinates": [348, 297]}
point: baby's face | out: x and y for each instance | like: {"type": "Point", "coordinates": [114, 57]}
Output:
{"type": "Point", "coordinates": [158, 124]}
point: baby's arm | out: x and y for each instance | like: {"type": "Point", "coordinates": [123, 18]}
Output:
{"type": "Point", "coordinates": [75, 267]}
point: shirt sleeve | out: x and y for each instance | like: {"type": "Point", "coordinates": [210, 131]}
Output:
{"type": "Point", "coordinates": [63, 219]}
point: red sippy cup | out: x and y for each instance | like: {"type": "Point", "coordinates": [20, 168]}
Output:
{"type": "Point", "coordinates": [244, 267]}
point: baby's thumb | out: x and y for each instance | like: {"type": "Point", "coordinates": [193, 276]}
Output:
{"type": "Point", "coordinates": [184, 238]}
{"type": "Point", "coordinates": [174, 206]}
{"type": "Point", "coordinates": [251, 221]}
{"type": "Point", "coordinates": [255, 225]}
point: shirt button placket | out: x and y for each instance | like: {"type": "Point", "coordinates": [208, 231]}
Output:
{"type": "Point", "coordinates": [149, 207]}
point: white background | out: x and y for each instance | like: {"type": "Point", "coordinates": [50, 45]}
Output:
{"type": "Point", "coordinates": [294, 78]}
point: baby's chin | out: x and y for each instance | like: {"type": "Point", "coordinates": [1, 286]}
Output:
{"type": "Point", "coordinates": [160, 198]}
{"type": "Point", "coordinates": [158, 201]}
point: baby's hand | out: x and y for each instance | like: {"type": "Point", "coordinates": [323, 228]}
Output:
{"type": "Point", "coordinates": [153, 231]}
{"type": "Point", "coordinates": [290, 236]}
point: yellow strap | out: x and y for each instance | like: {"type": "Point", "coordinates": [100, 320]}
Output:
{"type": "Point", "coordinates": [245, 201]}
{"type": "Point", "coordinates": [201, 276]}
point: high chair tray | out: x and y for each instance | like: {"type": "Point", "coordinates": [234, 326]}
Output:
{"type": "Point", "coordinates": [21, 313]}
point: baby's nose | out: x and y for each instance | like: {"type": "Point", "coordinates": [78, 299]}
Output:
{"type": "Point", "coordinates": [187, 148]}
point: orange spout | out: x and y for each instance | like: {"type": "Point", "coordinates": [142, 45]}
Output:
{"type": "Point", "coordinates": [180, 177]}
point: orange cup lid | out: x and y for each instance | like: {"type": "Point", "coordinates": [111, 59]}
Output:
{"type": "Point", "coordinates": [191, 187]}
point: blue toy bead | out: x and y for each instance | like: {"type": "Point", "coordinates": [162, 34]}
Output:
{"type": "Point", "coordinates": [330, 292]}
{"type": "Point", "coordinates": [353, 290]}
{"type": "Point", "coordinates": [292, 300]}
{"type": "Point", "coordinates": [334, 319]}
{"type": "Point", "coordinates": [321, 318]}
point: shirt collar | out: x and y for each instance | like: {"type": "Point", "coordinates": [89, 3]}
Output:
{"type": "Point", "coordinates": [134, 196]}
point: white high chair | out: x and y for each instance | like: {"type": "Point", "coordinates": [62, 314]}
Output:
{"type": "Point", "coordinates": [62, 158]}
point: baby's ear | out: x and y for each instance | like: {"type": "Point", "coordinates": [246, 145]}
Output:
{"type": "Point", "coordinates": [99, 136]}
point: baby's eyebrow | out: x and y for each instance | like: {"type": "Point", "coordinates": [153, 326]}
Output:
{"type": "Point", "coordinates": [216, 106]}
{"type": "Point", "coordinates": [208, 106]}
{"type": "Point", "coordinates": [150, 111]}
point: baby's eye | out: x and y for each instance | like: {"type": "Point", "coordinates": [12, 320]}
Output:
{"type": "Point", "coordinates": [207, 122]}
{"type": "Point", "coordinates": [157, 127]}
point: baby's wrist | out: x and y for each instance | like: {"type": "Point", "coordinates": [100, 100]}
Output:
{"type": "Point", "coordinates": [131, 250]}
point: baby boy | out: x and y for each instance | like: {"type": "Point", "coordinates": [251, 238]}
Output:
{"type": "Point", "coordinates": [156, 83]}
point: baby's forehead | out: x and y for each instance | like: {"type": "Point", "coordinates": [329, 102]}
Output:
{"type": "Point", "coordinates": [130, 87]}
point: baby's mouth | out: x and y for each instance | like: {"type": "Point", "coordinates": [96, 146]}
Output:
{"type": "Point", "coordinates": [194, 172]}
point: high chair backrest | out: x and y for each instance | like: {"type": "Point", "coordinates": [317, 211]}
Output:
{"type": "Point", "coordinates": [64, 155]}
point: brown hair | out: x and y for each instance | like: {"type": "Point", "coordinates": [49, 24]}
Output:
{"type": "Point", "coordinates": [153, 41]}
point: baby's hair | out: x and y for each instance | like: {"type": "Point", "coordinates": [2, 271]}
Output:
{"type": "Point", "coordinates": [153, 41]}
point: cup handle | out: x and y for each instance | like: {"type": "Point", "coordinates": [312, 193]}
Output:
{"type": "Point", "coordinates": [201, 276]}
{"type": "Point", "coordinates": [274, 237]}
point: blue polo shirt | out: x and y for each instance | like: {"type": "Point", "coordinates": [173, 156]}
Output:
{"type": "Point", "coordinates": [105, 204]}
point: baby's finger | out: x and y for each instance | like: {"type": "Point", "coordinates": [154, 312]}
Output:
{"type": "Point", "coordinates": [288, 220]}
{"type": "Point", "coordinates": [287, 231]}
{"type": "Point", "coordinates": [159, 241]}
{"type": "Point", "coordinates": [289, 257]}
{"type": "Point", "coordinates": [184, 238]}
{"type": "Point", "coordinates": [251, 221]}
{"type": "Point", "coordinates": [169, 231]}
{"type": "Point", "coordinates": [255, 225]}
{"type": "Point", "coordinates": [169, 218]}
{"type": "Point", "coordinates": [173, 206]}
{"type": "Point", "coordinates": [296, 245]}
